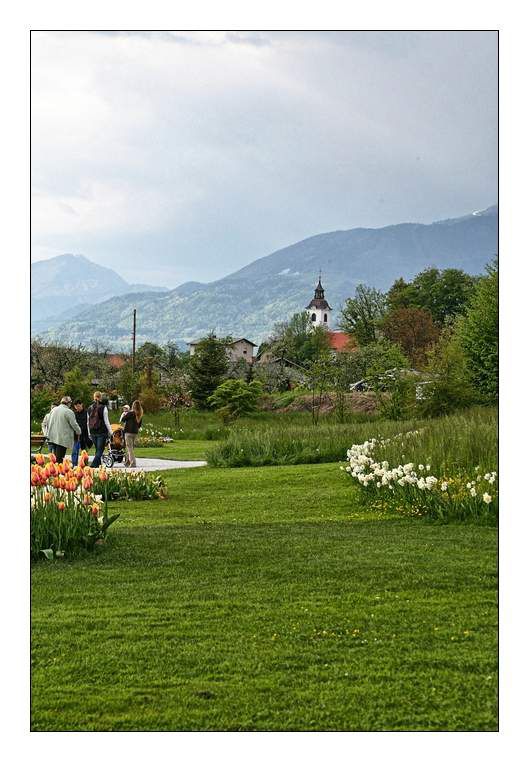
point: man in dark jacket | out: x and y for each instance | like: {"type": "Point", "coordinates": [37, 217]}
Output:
{"type": "Point", "coordinates": [83, 441]}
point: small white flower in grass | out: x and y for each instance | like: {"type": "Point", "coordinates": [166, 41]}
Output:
{"type": "Point", "coordinates": [473, 492]}
{"type": "Point", "coordinates": [378, 485]}
{"type": "Point", "coordinates": [469, 485]}
{"type": "Point", "coordinates": [444, 486]}
{"type": "Point", "coordinates": [428, 467]}
{"type": "Point", "coordinates": [487, 498]}
{"type": "Point", "coordinates": [421, 467]}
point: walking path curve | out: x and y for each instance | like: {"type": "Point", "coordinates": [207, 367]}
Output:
{"type": "Point", "coordinates": [161, 464]}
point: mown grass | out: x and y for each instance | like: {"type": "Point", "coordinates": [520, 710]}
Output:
{"type": "Point", "coordinates": [182, 449]}
{"type": "Point", "coordinates": [263, 599]}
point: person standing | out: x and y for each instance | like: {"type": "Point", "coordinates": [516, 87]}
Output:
{"type": "Point", "coordinates": [83, 440]}
{"type": "Point", "coordinates": [99, 428]}
{"type": "Point", "coordinates": [131, 425]}
{"type": "Point", "coordinates": [62, 428]}
{"type": "Point", "coordinates": [44, 424]}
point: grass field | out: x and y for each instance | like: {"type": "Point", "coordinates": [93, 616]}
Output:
{"type": "Point", "coordinates": [263, 599]}
{"type": "Point", "coordinates": [182, 449]}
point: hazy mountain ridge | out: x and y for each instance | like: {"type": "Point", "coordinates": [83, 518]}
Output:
{"type": "Point", "coordinates": [62, 284]}
{"type": "Point", "coordinates": [250, 301]}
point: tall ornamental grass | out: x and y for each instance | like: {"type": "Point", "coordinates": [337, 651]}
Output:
{"type": "Point", "coordinates": [446, 471]}
{"type": "Point", "coordinates": [459, 440]}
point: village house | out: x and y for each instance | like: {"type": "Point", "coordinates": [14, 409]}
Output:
{"type": "Point", "coordinates": [239, 349]}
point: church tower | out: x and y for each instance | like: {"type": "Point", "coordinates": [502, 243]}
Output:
{"type": "Point", "coordinates": [319, 309]}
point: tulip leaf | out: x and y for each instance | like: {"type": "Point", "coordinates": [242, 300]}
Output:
{"type": "Point", "coordinates": [48, 552]}
{"type": "Point", "coordinates": [105, 525]}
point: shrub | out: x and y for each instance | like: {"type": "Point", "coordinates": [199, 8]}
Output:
{"type": "Point", "coordinates": [235, 398]}
{"type": "Point", "coordinates": [41, 400]}
{"type": "Point", "coordinates": [449, 388]}
{"type": "Point", "coordinates": [477, 332]}
{"type": "Point", "coordinates": [150, 400]}
{"type": "Point", "coordinates": [76, 386]}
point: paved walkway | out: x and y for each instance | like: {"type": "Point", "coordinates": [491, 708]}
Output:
{"type": "Point", "coordinates": [161, 464]}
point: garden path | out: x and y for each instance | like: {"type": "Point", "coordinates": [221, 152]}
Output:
{"type": "Point", "coordinates": [157, 464]}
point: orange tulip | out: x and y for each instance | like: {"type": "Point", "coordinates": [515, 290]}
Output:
{"type": "Point", "coordinates": [52, 458]}
{"type": "Point", "coordinates": [87, 499]}
{"type": "Point", "coordinates": [103, 476]}
{"type": "Point", "coordinates": [61, 506]}
{"type": "Point", "coordinates": [47, 497]}
{"type": "Point", "coordinates": [95, 509]}
{"type": "Point", "coordinates": [87, 482]}
{"type": "Point", "coordinates": [39, 458]}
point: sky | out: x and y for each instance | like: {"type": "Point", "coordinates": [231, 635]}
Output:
{"type": "Point", "coordinates": [177, 156]}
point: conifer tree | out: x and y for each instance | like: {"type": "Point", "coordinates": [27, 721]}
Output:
{"type": "Point", "coordinates": [207, 369]}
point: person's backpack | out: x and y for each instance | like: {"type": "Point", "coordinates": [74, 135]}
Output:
{"type": "Point", "coordinates": [95, 417]}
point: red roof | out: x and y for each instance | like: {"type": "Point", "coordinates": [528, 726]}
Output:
{"type": "Point", "coordinates": [116, 361]}
{"type": "Point", "coordinates": [341, 342]}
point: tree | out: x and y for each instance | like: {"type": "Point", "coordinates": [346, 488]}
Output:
{"type": "Point", "coordinates": [443, 293]}
{"type": "Point", "coordinates": [76, 386]}
{"type": "Point", "coordinates": [128, 384]}
{"type": "Point", "coordinates": [298, 341]}
{"type": "Point", "coordinates": [49, 362]}
{"type": "Point", "coordinates": [413, 330]}
{"type": "Point", "coordinates": [369, 361]}
{"type": "Point", "coordinates": [41, 401]}
{"type": "Point", "coordinates": [207, 369]}
{"type": "Point", "coordinates": [362, 314]}
{"type": "Point", "coordinates": [477, 332]}
{"type": "Point", "coordinates": [449, 387]}
{"type": "Point", "coordinates": [234, 398]}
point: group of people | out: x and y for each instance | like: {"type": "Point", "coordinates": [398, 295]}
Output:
{"type": "Point", "coordinates": [78, 429]}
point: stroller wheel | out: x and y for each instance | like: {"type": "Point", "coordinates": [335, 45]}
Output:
{"type": "Point", "coordinates": [108, 460]}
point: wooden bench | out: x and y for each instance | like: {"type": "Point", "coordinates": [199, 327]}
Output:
{"type": "Point", "coordinates": [38, 440]}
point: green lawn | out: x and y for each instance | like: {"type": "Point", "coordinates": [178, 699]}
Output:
{"type": "Point", "coordinates": [261, 599]}
{"type": "Point", "coordinates": [183, 449]}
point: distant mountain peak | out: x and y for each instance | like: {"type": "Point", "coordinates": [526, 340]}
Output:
{"type": "Point", "coordinates": [250, 301]}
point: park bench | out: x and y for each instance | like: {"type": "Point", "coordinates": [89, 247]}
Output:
{"type": "Point", "coordinates": [38, 440]}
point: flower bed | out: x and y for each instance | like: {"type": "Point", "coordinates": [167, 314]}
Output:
{"type": "Point", "coordinates": [69, 505]}
{"type": "Point", "coordinates": [413, 489]}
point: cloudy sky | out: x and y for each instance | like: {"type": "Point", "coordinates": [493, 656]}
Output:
{"type": "Point", "coordinates": [179, 156]}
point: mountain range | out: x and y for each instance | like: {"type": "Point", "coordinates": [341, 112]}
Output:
{"type": "Point", "coordinates": [71, 282]}
{"type": "Point", "coordinates": [252, 300]}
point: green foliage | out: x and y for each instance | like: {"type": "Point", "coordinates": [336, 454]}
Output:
{"type": "Point", "coordinates": [235, 398]}
{"type": "Point", "coordinates": [444, 469]}
{"type": "Point", "coordinates": [76, 386]}
{"type": "Point", "coordinates": [207, 369]}
{"type": "Point", "coordinates": [442, 293]}
{"type": "Point", "coordinates": [477, 331]}
{"type": "Point", "coordinates": [449, 386]}
{"type": "Point", "coordinates": [396, 395]}
{"type": "Point", "coordinates": [41, 401]}
{"type": "Point", "coordinates": [128, 383]}
{"type": "Point", "coordinates": [413, 329]}
{"type": "Point", "coordinates": [150, 400]}
{"type": "Point", "coordinates": [291, 443]}
{"type": "Point", "coordinates": [369, 361]}
{"type": "Point", "coordinates": [299, 341]}
{"type": "Point", "coordinates": [362, 314]}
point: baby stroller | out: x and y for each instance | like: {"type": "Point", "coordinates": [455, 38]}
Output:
{"type": "Point", "coordinates": [116, 443]}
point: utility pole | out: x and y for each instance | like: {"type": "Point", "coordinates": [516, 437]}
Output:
{"type": "Point", "coordinates": [133, 338]}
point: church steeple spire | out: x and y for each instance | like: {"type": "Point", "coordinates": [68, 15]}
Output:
{"type": "Point", "coordinates": [319, 309]}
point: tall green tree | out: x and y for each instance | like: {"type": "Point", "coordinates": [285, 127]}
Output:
{"type": "Point", "coordinates": [76, 386]}
{"type": "Point", "coordinates": [442, 293]}
{"type": "Point", "coordinates": [413, 329]}
{"type": "Point", "coordinates": [207, 369]}
{"type": "Point", "coordinates": [362, 314]}
{"type": "Point", "coordinates": [298, 340]}
{"type": "Point", "coordinates": [477, 331]}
